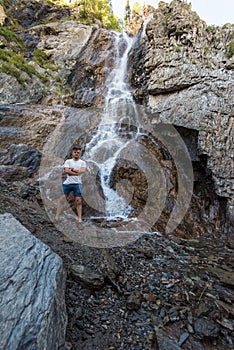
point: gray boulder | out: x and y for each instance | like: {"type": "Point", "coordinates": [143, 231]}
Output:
{"type": "Point", "coordinates": [32, 283]}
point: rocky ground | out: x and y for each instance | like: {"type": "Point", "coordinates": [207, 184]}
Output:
{"type": "Point", "coordinates": [157, 293]}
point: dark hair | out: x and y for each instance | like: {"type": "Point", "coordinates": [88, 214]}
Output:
{"type": "Point", "coordinates": [76, 147]}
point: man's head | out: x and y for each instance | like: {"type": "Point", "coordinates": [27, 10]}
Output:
{"type": "Point", "coordinates": [76, 151]}
{"type": "Point", "coordinates": [76, 147]}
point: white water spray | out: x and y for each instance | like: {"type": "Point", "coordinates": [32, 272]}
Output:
{"type": "Point", "coordinates": [106, 146]}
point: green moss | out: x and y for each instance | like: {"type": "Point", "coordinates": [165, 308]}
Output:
{"type": "Point", "coordinates": [41, 58]}
{"type": "Point", "coordinates": [230, 50]}
{"type": "Point", "coordinates": [13, 64]}
{"type": "Point", "coordinates": [206, 49]}
{"type": "Point", "coordinates": [63, 91]}
{"type": "Point", "coordinates": [167, 15]}
{"type": "Point", "coordinates": [11, 70]}
{"type": "Point", "coordinates": [10, 36]}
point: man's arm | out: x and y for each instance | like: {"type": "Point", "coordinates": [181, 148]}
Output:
{"type": "Point", "coordinates": [81, 170]}
{"type": "Point", "coordinates": [71, 171]}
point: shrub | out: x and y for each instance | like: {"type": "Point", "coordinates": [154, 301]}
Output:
{"type": "Point", "coordinates": [230, 50]}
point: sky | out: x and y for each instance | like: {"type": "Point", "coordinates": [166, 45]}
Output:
{"type": "Point", "coordinates": [213, 12]}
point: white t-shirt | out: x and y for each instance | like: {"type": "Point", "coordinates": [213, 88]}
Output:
{"type": "Point", "coordinates": [75, 164]}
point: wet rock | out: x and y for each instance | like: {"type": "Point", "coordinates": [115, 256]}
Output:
{"type": "Point", "coordinates": [31, 290]}
{"type": "Point", "coordinates": [87, 277]}
{"type": "Point", "coordinates": [89, 75]}
{"type": "Point", "coordinates": [205, 328]}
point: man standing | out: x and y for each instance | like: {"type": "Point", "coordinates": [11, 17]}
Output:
{"type": "Point", "coordinates": [73, 168]}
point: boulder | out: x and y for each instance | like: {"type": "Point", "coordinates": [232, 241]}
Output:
{"type": "Point", "coordinates": [32, 305]}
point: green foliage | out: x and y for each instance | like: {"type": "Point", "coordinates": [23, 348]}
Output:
{"type": "Point", "coordinates": [13, 64]}
{"type": "Point", "coordinates": [10, 69]}
{"type": "Point", "coordinates": [230, 50]}
{"type": "Point", "coordinates": [41, 58]}
{"type": "Point", "coordinates": [101, 10]}
{"type": "Point", "coordinates": [211, 28]}
{"type": "Point", "coordinates": [167, 15]}
{"type": "Point", "coordinates": [137, 8]}
{"type": "Point", "coordinates": [127, 14]}
{"type": "Point", "coordinates": [10, 36]}
{"type": "Point", "coordinates": [4, 3]}
{"type": "Point", "coordinates": [206, 49]}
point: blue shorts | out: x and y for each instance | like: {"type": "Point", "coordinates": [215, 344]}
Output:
{"type": "Point", "coordinates": [76, 188]}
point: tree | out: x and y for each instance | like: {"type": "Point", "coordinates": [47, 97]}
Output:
{"type": "Point", "coordinates": [101, 10]}
{"type": "Point", "coordinates": [127, 14]}
{"type": "Point", "coordinates": [137, 8]}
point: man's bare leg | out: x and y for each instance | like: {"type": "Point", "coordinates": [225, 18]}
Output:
{"type": "Point", "coordinates": [79, 208]}
{"type": "Point", "coordinates": [62, 200]}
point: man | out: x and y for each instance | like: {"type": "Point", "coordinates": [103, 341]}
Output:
{"type": "Point", "coordinates": [73, 168]}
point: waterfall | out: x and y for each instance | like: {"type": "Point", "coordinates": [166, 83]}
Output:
{"type": "Point", "coordinates": [119, 108]}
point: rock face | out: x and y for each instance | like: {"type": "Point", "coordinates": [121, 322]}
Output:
{"type": "Point", "coordinates": [33, 314]}
{"type": "Point", "coordinates": [184, 76]}
{"type": "Point", "coordinates": [2, 15]}
{"type": "Point", "coordinates": [29, 14]}
{"type": "Point", "coordinates": [24, 159]}
{"type": "Point", "coordinates": [62, 44]}
{"type": "Point", "coordinates": [92, 68]}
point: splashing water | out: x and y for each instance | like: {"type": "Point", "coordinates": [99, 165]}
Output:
{"type": "Point", "coordinates": [120, 107]}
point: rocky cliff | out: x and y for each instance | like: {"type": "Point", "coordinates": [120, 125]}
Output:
{"type": "Point", "coordinates": [183, 73]}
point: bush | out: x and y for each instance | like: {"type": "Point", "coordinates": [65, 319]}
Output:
{"type": "Point", "coordinates": [230, 50]}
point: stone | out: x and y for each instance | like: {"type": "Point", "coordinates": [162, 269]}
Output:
{"type": "Point", "coordinates": [133, 302]}
{"type": "Point", "coordinates": [22, 156]}
{"type": "Point", "coordinates": [166, 342]}
{"type": "Point", "coordinates": [87, 276]}
{"type": "Point", "coordinates": [13, 172]}
{"type": "Point", "coordinates": [205, 328]}
{"type": "Point", "coordinates": [32, 304]}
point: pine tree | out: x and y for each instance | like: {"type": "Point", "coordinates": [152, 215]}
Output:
{"type": "Point", "coordinates": [127, 14]}
{"type": "Point", "coordinates": [101, 10]}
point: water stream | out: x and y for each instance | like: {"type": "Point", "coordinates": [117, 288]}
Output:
{"type": "Point", "coordinates": [119, 107]}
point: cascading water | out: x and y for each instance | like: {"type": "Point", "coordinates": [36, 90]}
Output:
{"type": "Point", "coordinates": [119, 107]}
